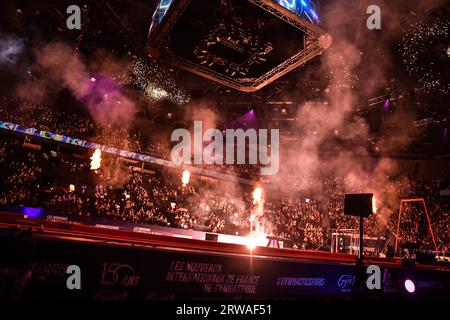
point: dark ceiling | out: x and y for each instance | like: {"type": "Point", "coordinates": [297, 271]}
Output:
{"type": "Point", "coordinates": [121, 27]}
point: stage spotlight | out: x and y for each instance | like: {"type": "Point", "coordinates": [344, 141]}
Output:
{"type": "Point", "coordinates": [410, 286]}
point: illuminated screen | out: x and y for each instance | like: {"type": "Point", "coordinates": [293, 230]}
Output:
{"type": "Point", "coordinates": [302, 8]}
{"type": "Point", "coordinates": [160, 12]}
{"type": "Point", "coordinates": [32, 212]}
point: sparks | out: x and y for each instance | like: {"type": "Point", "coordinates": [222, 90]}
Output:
{"type": "Point", "coordinates": [257, 195]}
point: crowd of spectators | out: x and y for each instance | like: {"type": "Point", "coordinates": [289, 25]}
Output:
{"type": "Point", "coordinates": [65, 184]}
{"type": "Point", "coordinates": [20, 176]}
{"type": "Point", "coordinates": [78, 125]}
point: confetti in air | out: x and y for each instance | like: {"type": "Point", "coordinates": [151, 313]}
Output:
{"type": "Point", "coordinates": [343, 76]}
{"type": "Point", "coordinates": [10, 49]}
{"type": "Point", "coordinates": [155, 84]}
{"type": "Point", "coordinates": [425, 52]}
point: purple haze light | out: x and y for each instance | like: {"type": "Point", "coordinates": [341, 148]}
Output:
{"type": "Point", "coordinates": [387, 105]}
{"type": "Point", "coordinates": [246, 121]}
{"type": "Point", "coordinates": [32, 212]}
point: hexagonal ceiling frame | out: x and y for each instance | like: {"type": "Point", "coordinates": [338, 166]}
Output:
{"type": "Point", "coordinates": [158, 36]}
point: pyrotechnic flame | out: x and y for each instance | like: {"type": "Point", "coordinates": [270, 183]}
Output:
{"type": "Point", "coordinates": [257, 195]}
{"type": "Point", "coordinates": [185, 178]}
{"type": "Point", "coordinates": [251, 243]}
{"type": "Point", "coordinates": [96, 159]}
{"type": "Point", "coordinates": [256, 239]}
{"type": "Point", "coordinates": [374, 204]}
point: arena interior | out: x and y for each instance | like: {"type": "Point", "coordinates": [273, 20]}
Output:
{"type": "Point", "coordinates": [89, 182]}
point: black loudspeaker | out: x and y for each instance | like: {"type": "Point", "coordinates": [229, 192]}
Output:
{"type": "Point", "coordinates": [390, 252]}
{"type": "Point", "coordinates": [358, 204]}
{"type": "Point", "coordinates": [212, 237]}
{"type": "Point", "coordinates": [425, 257]}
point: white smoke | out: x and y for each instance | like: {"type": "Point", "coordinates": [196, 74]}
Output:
{"type": "Point", "coordinates": [10, 49]}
